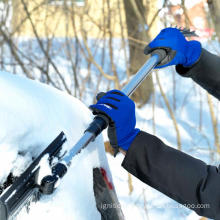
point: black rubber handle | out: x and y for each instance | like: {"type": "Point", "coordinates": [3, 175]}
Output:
{"type": "Point", "coordinates": [162, 53]}
{"type": "Point", "coordinates": [99, 123]}
{"type": "Point", "coordinates": [100, 95]}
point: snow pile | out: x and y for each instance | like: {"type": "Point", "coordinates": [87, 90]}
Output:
{"type": "Point", "coordinates": [31, 116]}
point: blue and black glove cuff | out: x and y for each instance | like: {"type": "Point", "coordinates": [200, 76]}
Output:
{"type": "Point", "coordinates": [193, 53]}
{"type": "Point", "coordinates": [126, 142]}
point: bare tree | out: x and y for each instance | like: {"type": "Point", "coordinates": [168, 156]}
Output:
{"type": "Point", "coordinates": [214, 8]}
{"type": "Point", "coordinates": [136, 12]}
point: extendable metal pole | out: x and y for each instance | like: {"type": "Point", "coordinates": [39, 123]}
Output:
{"type": "Point", "coordinates": [128, 90]}
{"type": "Point", "coordinates": [99, 123]}
{"type": "Point", "coordinates": [142, 73]}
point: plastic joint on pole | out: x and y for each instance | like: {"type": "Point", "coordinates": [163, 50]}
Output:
{"type": "Point", "coordinates": [99, 123]}
{"type": "Point", "coordinates": [48, 183]}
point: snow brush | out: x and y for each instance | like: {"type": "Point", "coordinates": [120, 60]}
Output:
{"type": "Point", "coordinates": [25, 189]}
{"type": "Point", "coordinates": [17, 193]}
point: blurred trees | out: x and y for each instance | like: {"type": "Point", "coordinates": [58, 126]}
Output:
{"type": "Point", "coordinates": [138, 34]}
{"type": "Point", "coordinates": [214, 9]}
{"type": "Point", "coordinates": [43, 22]}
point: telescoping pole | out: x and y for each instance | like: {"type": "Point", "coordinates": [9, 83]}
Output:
{"type": "Point", "coordinates": [99, 123]}
{"type": "Point", "coordinates": [142, 73]}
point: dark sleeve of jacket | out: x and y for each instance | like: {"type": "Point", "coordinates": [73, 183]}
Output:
{"type": "Point", "coordinates": [206, 72]}
{"type": "Point", "coordinates": [174, 173]}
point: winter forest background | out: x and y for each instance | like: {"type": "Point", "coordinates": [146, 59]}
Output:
{"type": "Point", "coordinates": [86, 46]}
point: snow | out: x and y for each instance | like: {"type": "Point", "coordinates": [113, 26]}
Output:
{"type": "Point", "coordinates": [31, 116]}
{"type": "Point", "coordinates": [45, 169]}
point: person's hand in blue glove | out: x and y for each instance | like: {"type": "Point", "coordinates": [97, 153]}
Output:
{"type": "Point", "coordinates": [179, 50]}
{"type": "Point", "coordinates": [120, 109]}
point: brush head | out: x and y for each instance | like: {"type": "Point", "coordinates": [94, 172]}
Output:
{"type": "Point", "coordinates": [18, 193]}
{"type": "Point", "coordinates": [187, 32]}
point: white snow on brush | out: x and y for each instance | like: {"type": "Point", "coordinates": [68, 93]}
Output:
{"type": "Point", "coordinates": [31, 116]}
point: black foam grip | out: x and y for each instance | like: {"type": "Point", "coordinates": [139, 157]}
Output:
{"type": "Point", "coordinates": [100, 95]}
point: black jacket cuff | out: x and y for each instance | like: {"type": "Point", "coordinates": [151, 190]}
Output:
{"type": "Point", "coordinates": [206, 72]}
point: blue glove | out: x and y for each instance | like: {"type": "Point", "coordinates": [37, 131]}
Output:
{"type": "Point", "coordinates": [179, 50]}
{"type": "Point", "coordinates": [121, 111]}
